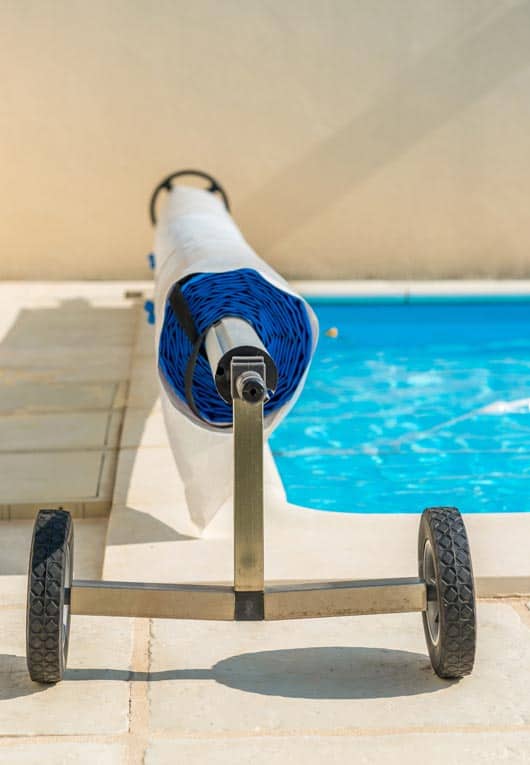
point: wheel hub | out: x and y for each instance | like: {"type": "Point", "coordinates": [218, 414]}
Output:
{"type": "Point", "coordinates": [433, 607]}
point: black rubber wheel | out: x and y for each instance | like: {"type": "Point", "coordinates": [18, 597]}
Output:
{"type": "Point", "coordinates": [48, 608]}
{"type": "Point", "coordinates": [445, 564]}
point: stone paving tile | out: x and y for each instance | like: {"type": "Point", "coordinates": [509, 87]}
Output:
{"type": "Point", "coordinates": [55, 476]}
{"type": "Point", "coordinates": [143, 391]}
{"type": "Point", "coordinates": [65, 355]}
{"type": "Point", "coordinates": [147, 477]}
{"type": "Point", "coordinates": [28, 397]}
{"type": "Point", "coordinates": [412, 749]}
{"type": "Point", "coordinates": [54, 365]}
{"type": "Point", "coordinates": [15, 540]}
{"type": "Point", "coordinates": [70, 324]}
{"type": "Point", "coordinates": [91, 700]}
{"type": "Point", "coordinates": [144, 426]}
{"type": "Point", "coordinates": [59, 430]}
{"type": "Point", "coordinates": [150, 535]}
{"type": "Point", "coordinates": [144, 344]}
{"type": "Point", "coordinates": [328, 675]}
{"type": "Point", "coordinates": [13, 589]}
{"type": "Point", "coordinates": [106, 293]}
{"type": "Point", "coordinates": [27, 752]}
{"type": "Point", "coordinates": [10, 310]}
{"type": "Point", "coordinates": [85, 508]}
{"type": "Point", "coordinates": [155, 549]}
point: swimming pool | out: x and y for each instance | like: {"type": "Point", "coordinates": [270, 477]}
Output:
{"type": "Point", "coordinates": [415, 403]}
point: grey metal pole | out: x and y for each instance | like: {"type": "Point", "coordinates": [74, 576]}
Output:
{"type": "Point", "coordinates": [248, 393]}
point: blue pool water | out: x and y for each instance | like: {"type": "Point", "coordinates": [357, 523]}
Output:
{"type": "Point", "coordinates": [413, 404]}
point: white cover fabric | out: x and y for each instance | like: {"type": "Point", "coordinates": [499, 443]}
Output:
{"type": "Point", "coordinates": [195, 233]}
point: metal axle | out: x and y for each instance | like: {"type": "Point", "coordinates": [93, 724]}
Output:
{"type": "Point", "coordinates": [288, 600]}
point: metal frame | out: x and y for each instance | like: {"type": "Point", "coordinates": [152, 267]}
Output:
{"type": "Point", "coordinates": [248, 598]}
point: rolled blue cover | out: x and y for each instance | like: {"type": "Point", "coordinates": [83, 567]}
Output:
{"type": "Point", "coordinates": [279, 318]}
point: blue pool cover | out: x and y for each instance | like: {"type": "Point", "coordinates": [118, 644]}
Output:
{"type": "Point", "coordinates": [280, 319]}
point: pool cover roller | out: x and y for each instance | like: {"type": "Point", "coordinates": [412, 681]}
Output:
{"type": "Point", "coordinates": [208, 279]}
{"type": "Point", "coordinates": [217, 301]}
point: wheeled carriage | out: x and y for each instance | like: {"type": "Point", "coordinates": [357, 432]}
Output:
{"type": "Point", "coordinates": [443, 592]}
{"type": "Point", "coordinates": [248, 384]}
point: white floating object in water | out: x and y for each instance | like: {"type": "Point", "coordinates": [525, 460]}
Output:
{"type": "Point", "coordinates": [520, 405]}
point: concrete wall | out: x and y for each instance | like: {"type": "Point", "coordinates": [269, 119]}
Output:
{"type": "Point", "coordinates": [357, 138]}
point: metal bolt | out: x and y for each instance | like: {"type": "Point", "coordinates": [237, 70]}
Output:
{"type": "Point", "coordinates": [250, 387]}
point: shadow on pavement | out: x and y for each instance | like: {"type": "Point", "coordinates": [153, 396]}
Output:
{"type": "Point", "coordinates": [322, 672]}
{"type": "Point", "coordinates": [14, 678]}
{"type": "Point", "coordinates": [138, 527]}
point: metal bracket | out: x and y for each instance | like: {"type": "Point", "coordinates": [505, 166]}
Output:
{"type": "Point", "coordinates": [248, 475]}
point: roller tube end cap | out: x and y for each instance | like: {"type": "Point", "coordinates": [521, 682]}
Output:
{"type": "Point", "coordinates": [251, 388]}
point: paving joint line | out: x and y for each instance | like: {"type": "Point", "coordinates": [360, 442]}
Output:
{"type": "Point", "coordinates": [123, 410]}
{"type": "Point", "coordinates": [62, 450]}
{"type": "Point", "coordinates": [138, 731]}
{"type": "Point", "coordinates": [337, 732]}
{"type": "Point", "coordinates": [10, 739]}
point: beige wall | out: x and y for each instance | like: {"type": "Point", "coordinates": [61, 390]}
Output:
{"type": "Point", "coordinates": [356, 138]}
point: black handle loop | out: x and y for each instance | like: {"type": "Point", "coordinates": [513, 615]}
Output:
{"type": "Point", "coordinates": [215, 187]}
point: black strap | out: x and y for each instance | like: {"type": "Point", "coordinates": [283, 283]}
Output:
{"type": "Point", "coordinates": [179, 306]}
{"type": "Point", "coordinates": [181, 309]}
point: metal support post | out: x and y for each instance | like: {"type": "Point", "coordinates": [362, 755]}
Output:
{"type": "Point", "coordinates": [248, 393]}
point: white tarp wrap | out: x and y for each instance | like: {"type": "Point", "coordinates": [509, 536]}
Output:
{"type": "Point", "coordinates": [195, 233]}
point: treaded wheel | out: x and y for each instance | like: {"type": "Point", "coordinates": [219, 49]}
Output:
{"type": "Point", "coordinates": [48, 606]}
{"type": "Point", "coordinates": [445, 565]}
